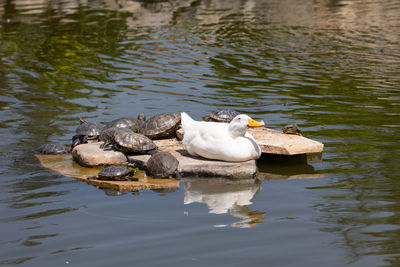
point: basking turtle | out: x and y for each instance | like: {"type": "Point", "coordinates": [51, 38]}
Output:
{"type": "Point", "coordinates": [85, 131]}
{"type": "Point", "coordinates": [135, 124]}
{"type": "Point", "coordinates": [292, 129]}
{"type": "Point", "coordinates": [51, 149]}
{"type": "Point", "coordinates": [225, 115]}
{"type": "Point", "coordinates": [115, 173]}
{"type": "Point", "coordinates": [125, 140]}
{"type": "Point", "coordinates": [161, 124]}
{"type": "Point", "coordinates": [162, 165]}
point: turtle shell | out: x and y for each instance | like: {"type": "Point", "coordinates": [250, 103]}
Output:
{"type": "Point", "coordinates": [51, 149]}
{"type": "Point", "coordinates": [162, 165]}
{"type": "Point", "coordinates": [107, 134]}
{"type": "Point", "coordinates": [161, 124]}
{"type": "Point", "coordinates": [90, 129]}
{"type": "Point", "coordinates": [132, 123]}
{"type": "Point", "coordinates": [225, 115]}
{"type": "Point", "coordinates": [126, 140]}
{"type": "Point", "coordinates": [292, 129]}
{"type": "Point", "coordinates": [118, 173]}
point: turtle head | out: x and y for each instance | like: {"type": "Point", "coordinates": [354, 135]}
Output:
{"type": "Point", "coordinates": [141, 116]}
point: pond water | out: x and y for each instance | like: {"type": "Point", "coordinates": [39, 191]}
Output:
{"type": "Point", "coordinates": [331, 66]}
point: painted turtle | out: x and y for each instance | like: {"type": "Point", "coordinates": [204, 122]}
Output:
{"type": "Point", "coordinates": [162, 165]}
{"type": "Point", "coordinates": [292, 129]}
{"type": "Point", "coordinates": [115, 173]}
{"type": "Point", "coordinates": [225, 115]}
{"type": "Point", "coordinates": [52, 149]}
{"type": "Point", "coordinates": [84, 132]}
{"type": "Point", "coordinates": [134, 124]}
{"type": "Point", "coordinates": [125, 140]}
{"type": "Point", "coordinates": [161, 124]}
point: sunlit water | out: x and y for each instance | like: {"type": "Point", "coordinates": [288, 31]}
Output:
{"type": "Point", "coordinates": [332, 67]}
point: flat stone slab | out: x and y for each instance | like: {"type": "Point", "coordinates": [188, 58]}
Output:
{"type": "Point", "coordinates": [196, 166]}
{"type": "Point", "coordinates": [275, 142]}
{"type": "Point", "coordinates": [64, 165]}
{"type": "Point", "coordinates": [91, 155]}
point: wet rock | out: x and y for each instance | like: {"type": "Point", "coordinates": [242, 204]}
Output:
{"type": "Point", "coordinates": [64, 165]}
{"type": "Point", "coordinates": [196, 166]}
{"type": "Point", "coordinates": [91, 155]}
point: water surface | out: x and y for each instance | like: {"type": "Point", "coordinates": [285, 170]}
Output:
{"type": "Point", "coordinates": [332, 67]}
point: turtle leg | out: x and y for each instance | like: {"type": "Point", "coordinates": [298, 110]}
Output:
{"type": "Point", "coordinates": [129, 177]}
{"type": "Point", "coordinates": [75, 141]}
{"type": "Point", "coordinates": [105, 145]}
{"type": "Point", "coordinates": [133, 179]}
{"type": "Point", "coordinates": [83, 139]}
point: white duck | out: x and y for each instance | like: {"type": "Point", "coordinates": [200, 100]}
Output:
{"type": "Point", "coordinates": [222, 141]}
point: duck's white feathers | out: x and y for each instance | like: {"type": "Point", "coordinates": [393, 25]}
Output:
{"type": "Point", "coordinates": [214, 140]}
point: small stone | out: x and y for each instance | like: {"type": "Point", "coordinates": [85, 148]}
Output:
{"type": "Point", "coordinates": [91, 155]}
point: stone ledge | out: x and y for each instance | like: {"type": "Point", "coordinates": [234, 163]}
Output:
{"type": "Point", "coordinates": [196, 166]}
{"type": "Point", "coordinates": [275, 142]}
{"type": "Point", "coordinates": [64, 165]}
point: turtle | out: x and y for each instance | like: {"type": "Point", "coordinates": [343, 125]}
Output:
{"type": "Point", "coordinates": [52, 149]}
{"type": "Point", "coordinates": [132, 123]}
{"type": "Point", "coordinates": [125, 140]}
{"type": "Point", "coordinates": [162, 165]}
{"type": "Point", "coordinates": [85, 131]}
{"type": "Point", "coordinates": [161, 125]}
{"type": "Point", "coordinates": [115, 173]}
{"type": "Point", "coordinates": [224, 115]}
{"type": "Point", "coordinates": [292, 129]}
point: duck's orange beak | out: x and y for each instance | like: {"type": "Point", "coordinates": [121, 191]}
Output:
{"type": "Point", "coordinates": [253, 123]}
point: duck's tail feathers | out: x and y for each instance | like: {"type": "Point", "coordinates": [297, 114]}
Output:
{"type": "Point", "coordinates": [186, 121]}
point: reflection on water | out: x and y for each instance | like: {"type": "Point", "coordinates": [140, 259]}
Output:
{"type": "Point", "coordinates": [224, 195]}
{"type": "Point", "coordinates": [332, 67]}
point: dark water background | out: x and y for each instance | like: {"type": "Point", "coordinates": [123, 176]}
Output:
{"type": "Point", "coordinates": [333, 67]}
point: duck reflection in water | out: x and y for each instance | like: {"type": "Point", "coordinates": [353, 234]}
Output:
{"type": "Point", "coordinates": [223, 196]}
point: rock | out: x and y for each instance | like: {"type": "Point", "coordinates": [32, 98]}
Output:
{"type": "Point", "coordinates": [195, 166]}
{"type": "Point", "coordinates": [275, 142]}
{"type": "Point", "coordinates": [200, 167]}
{"type": "Point", "coordinates": [64, 165]}
{"type": "Point", "coordinates": [91, 155]}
